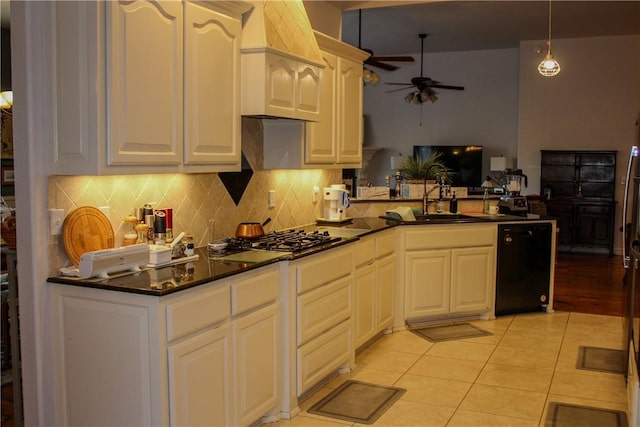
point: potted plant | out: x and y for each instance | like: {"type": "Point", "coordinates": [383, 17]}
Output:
{"type": "Point", "coordinates": [419, 171]}
{"type": "Point", "coordinates": [422, 170]}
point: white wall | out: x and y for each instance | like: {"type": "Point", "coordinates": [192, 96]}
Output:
{"type": "Point", "coordinates": [593, 104]}
{"type": "Point", "coordinates": [485, 113]}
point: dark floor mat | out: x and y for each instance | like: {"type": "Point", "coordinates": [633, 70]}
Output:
{"type": "Point", "coordinates": [567, 415]}
{"type": "Point", "coordinates": [357, 402]}
{"type": "Point", "coordinates": [451, 332]}
{"type": "Point", "coordinates": [601, 359]}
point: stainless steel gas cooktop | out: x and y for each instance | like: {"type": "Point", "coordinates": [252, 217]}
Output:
{"type": "Point", "coordinates": [284, 241]}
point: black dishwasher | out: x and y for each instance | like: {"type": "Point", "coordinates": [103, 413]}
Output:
{"type": "Point", "coordinates": [524, 268]}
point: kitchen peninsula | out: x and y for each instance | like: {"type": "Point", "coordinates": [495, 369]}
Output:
{"type": "Point", "coordinates": [214, 342]}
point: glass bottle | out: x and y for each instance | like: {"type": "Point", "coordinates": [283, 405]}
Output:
{"type": "Point", "coordinates": [485, 201]}
{"type": "Point", "coordinates": [453, 204]}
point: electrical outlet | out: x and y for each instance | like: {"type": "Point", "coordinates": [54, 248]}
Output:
{"type": "Point", "coordinates": [105, 210]}
{"type": "Point", "coordinates": [272, 198]}
{"type": "Point", "coordinates": [316, 194]}
{"type": "Point", "coordinates": [56, 219]}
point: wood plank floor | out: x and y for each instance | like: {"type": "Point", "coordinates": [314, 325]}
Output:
{"type": "Point", "coordinates": [589, 284]}
{"type": "Point", "coordinates": [583, 283]}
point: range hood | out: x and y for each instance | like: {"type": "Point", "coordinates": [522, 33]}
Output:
{"type": "Point", "coordinates": [280, 61]}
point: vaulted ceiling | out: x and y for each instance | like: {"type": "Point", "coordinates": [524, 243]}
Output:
{"type": "Point", "coordinates": [392, 27]}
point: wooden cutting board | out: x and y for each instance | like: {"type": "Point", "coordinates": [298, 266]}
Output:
{"type": "Point", "coordinates": [86, 229]}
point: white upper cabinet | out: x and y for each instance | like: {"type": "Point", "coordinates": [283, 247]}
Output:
{"type": "Point", "coordinates": [144, 87]}
{"type": "Point", "coordinates": [335, 139]}
{"type": "Point", "coordinates": [144, 83]}
{"type": "Point", "coordinates": [211, 88]}
{"type": "Point", "coordinates": [278, 86]}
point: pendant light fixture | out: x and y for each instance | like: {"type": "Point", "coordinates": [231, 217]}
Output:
{"type": "Point", "coordinates": [549, 67]}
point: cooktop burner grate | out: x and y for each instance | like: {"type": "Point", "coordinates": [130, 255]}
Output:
{"type": "Point", "coordinates": [285, 241]}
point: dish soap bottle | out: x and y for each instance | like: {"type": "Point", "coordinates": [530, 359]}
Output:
{"type": "Point", "coordinates": [453, 204]}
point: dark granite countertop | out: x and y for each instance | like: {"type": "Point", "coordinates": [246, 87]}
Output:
{"type": "Point", "coordinates": [205, 269]}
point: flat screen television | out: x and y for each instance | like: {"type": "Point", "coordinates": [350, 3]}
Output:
{"type": "Point", "coordinates": [464, 160]}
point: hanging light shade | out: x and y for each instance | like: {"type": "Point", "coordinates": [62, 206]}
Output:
{"type": "Point", "coordinates": [6, 99]}
{"type": "Point", "coordinates": [549, 67]}
{"type": "Point", "coordinates": [370, 76]}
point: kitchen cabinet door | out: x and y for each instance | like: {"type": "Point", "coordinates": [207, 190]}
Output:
{"type": "Point", "coordinates": [211, 88]}
{"type": "Point", "coordinates": [320, 145]}
{"type": "Point", "coordinates": [349, 104]}
{"type": "Point", "coordinates": [364, 300]}
{"type": "Point", "coordinates": [200, 379]}
{"type": "Point", "coordinates": [256, 344]}
{"type": "Point", "coordinates": [593, 224]}
{"type": "Point", "coordinates": [472, 279]}
{"type": "Point", "coordinates": [385, 276]}
{"type": "Point", "coordinates": [144, 83]}
{"type": "Point", "coordinates": [427, 283]}
{"type": "Point", "coordinates": [290, 89]}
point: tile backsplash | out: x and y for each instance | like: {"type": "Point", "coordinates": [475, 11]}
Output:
{"type": "Point", "coordinates": [195, 198]}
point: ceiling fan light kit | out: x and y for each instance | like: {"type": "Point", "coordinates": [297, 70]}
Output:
{"type": "Point", "coordinates": [422, 87]}
{"type": "Point", "coordinates": [549, 67]}
{"type": "Point", "coordinates": [370, 76]}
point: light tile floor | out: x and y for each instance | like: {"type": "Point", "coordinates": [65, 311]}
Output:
{"type": "Point", "coordinates": [505, 379]}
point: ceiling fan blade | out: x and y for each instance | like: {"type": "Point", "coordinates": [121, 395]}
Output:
{"type": "Point", "coordinates": [398, 90]}
{"type": "Point", "coordinates": [393, 58]}
{"type": "Point", "coordinates": [399, 84]}
{"type": "Point", "coordinates": [381, 65]}
{"type": "Point", "coordinates": [447, 87]}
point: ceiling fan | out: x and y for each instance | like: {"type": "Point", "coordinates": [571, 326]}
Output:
{"type": "Point", "coordinates": [423, 87]}
{"type": "Point", "coordinates": [379, 61]}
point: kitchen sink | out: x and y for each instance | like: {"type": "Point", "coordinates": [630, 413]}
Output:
{"type": "Point", "coordinates": [437, 217]}
{"type": "Point", "coordinates": [345, 233]}
{"type": "Point", "coordinates": [441, 216]}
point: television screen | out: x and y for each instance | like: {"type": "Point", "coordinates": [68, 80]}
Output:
{"type": "Point", "coordinates": [464, 160]}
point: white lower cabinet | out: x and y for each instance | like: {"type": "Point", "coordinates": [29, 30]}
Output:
{"type": "Point", "coordinates": [373, 286]}
{"type": "Point", "coordinates": [256, 352]}
{"type": "Point", "coordinates": [209, 355]}
{"type": "Point", "coordinates": [386, 280]}
{"type": "Point", "coordinates": [316, 301]}
{"type": "Point", "coordinates": [449, 271]}
{"type": "Point", "coordinates": [200, 379]}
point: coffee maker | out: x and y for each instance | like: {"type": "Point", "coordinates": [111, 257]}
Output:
{"type": "Point", "coordinates": [512, 202]}
{"type": "Point", "coordinates": [336, 202]}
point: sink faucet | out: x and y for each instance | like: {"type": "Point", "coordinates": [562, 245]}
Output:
{"type": "Point", "coordinates": [425, 197]}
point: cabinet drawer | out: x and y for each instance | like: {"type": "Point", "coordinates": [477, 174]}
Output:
{"type": "Point", "coordinates": [255, 290]}
{"type": "Point", "coordinates": [432, 238]}
{"type": "Point", "coordinates": [198, 311]}
{"type": "Point", "coordinates": [323, 355]}
{"type": "Point", "coordinates": [323, 268]}
{"type": "Point", "coordinates": [364, 252]}
{"type": "Point", "coordinates": [594, 209]}
{"type": "Point", "coordinates": [385, 244]}
{"type": "Point", "coordinates": [559, 208]}
{"type": "Point", "coordinates": [323, 308]}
